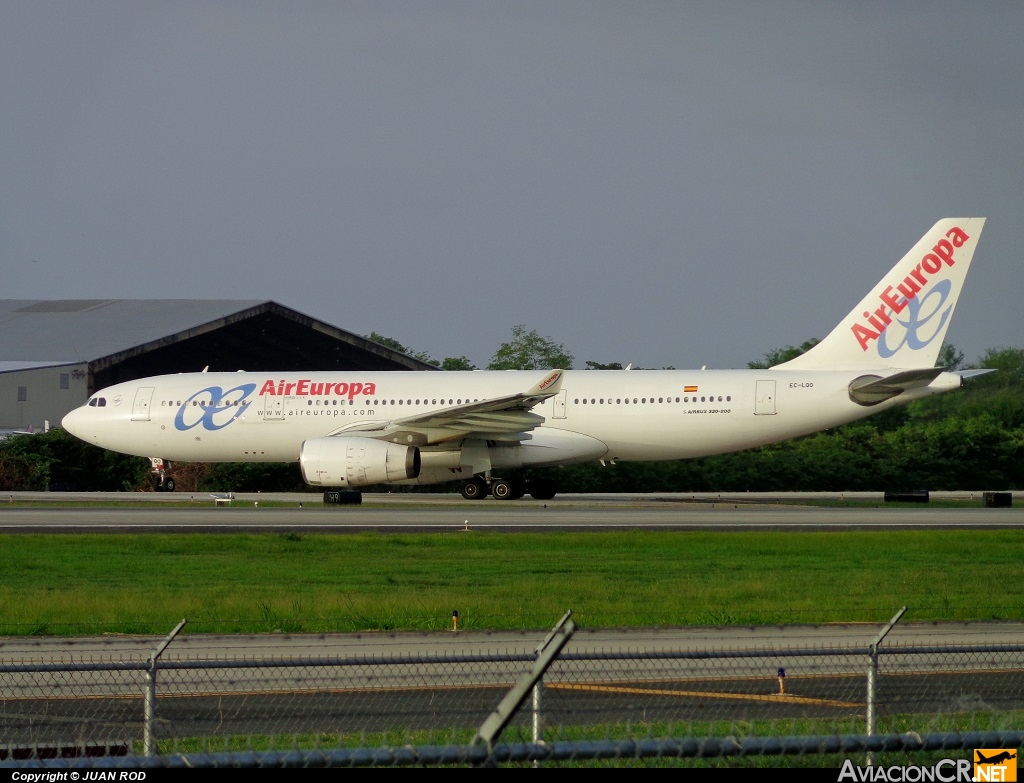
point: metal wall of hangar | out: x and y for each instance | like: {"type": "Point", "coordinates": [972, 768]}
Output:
{"type": "Point", "coordinates": [88, 345]}
{"type": "Point", "coordinates": [33, 398]}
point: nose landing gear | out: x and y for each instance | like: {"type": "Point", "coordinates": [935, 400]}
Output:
{"type": "Point", "coordinates": [159, 475]}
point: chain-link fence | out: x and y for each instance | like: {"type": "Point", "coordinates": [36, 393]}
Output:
{"type": "Point", "coordinates": [409, 708]}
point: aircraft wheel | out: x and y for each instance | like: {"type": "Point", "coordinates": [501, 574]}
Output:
{"type": "Point", "coordinates": [157, 486]}
{"type": "Point", "coordinates": [518, 489]}
{"type": "Point", "coordinates": [542, 489]}
{"type": "Point", "coordinates": [503, 490]}
{"type": "Point", "coordinates": [169, 485]}
{"type": "Point", "coordinates": [474, 489]}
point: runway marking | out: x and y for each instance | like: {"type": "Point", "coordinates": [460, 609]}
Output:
{"type": "Point", "coordinates": [775, 698]}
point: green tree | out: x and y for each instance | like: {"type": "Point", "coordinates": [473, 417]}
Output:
{"type": "Point", "coordinates": [457, 363]}
{"type": "Point", "coordinates": [527, 350]}
{"type": "Point", "coordinates": [449, 363]}
{"type": "Point", "coordinates": [1008, 362]}
{"type": "Point", "coordinates": [58, 459]}
{"type": "Point", "coordinates": [950, 357]}
{"type": "Point", "coordinates": [394, 345]}
{"type": "Point", "coordinates": [600, 366]}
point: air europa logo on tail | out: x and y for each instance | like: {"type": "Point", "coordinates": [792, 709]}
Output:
{"type": "Point", "coordinates": [309, 388]}
{"type": "Point", "coordinates": [905, 297]}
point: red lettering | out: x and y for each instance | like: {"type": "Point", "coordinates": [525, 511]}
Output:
{"type": "Point", "coordinates": [874, 322]}
{"type": "Point", "coordinates": [908, 288]}
{"type": "Point", "coordinates": [912, 284]}
{"type": "Point", "coordinates": [864, 335]}
{"type": "Point", "coordinates": [931, 263]}
{"type": "Point", "coordinates": [957, 236]}
{"type": "Point", "coordinates": [307, 387]}
{"type": "Point", "coordinates": [944, 250]}
{"type": "Point", "coordinates": [897, 305]}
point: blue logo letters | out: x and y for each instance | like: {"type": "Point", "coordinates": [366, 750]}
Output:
{"type": "Point", "coordinates": [915, 320]}
{"type": "Point", "coordinates": [213, 407]}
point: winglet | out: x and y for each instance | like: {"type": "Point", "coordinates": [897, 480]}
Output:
{"type": "Point", "coordinates": [548, 386]}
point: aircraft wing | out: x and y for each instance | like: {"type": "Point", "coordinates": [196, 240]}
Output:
{"type": "Point", "coordinates": [499, 418]}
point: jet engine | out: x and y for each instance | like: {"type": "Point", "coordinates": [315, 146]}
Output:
{"type": "Point", "coordinates": [356, 462]}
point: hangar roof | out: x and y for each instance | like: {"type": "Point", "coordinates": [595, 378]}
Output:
{"type": "Point", "coordinates": [131, 336]}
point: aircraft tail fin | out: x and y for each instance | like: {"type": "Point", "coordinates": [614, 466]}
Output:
{"type": "Point", "coordinates": [902, 322]}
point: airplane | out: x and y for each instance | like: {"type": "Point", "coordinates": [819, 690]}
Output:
{"type": "Point", "coordinates": [487, 429]}
{"type": "Point", "coordinates": [996, 759]}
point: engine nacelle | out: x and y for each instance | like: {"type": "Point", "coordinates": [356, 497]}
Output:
{"type": "Point", "coordinates": [357, 462]}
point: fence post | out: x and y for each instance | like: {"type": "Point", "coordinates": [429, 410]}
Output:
{"type": "Point", "coordinates": [873, 676]}
{"type": "Point", "coordinates": [547, 652]}
{"type": "Point", "coordinates": [149, 697]}
{"type": "Point", "coordinates": [538, 735]}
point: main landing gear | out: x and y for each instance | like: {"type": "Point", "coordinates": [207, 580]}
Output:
{"type": "Point", "coordinates": [478, 487]}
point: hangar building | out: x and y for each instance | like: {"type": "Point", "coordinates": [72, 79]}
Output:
{"type": "Point", "coordinates": [55, 353]}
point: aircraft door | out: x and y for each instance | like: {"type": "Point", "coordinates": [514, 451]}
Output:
{"type": "Point", "coordinates": [764, 398]}
{"type": "Point", "coordinates": [143, 401]}
{"type": "Point", "coordinates": [560, 405]}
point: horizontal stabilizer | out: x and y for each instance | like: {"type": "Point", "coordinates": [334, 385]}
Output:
{"type": "Point", "coordinates": [973, 373]}
{"type": "Point", "coordinates": [872, 389]}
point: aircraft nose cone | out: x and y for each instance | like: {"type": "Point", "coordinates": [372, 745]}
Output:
{"type": "Point", "coordinates": [72, 423]}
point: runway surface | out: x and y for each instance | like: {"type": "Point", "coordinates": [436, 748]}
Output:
{"type": "Point", "coordinates": [412, 513]}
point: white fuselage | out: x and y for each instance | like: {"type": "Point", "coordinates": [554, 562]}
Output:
{"type": "Point", "coordinates": [611, 415]}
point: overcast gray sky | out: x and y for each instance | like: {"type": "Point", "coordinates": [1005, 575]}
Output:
{"type": "Point", "coordinates": [657, 183]}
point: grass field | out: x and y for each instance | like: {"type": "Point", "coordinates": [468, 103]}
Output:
{"type": "Point", "coordinates": [86, 584]}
